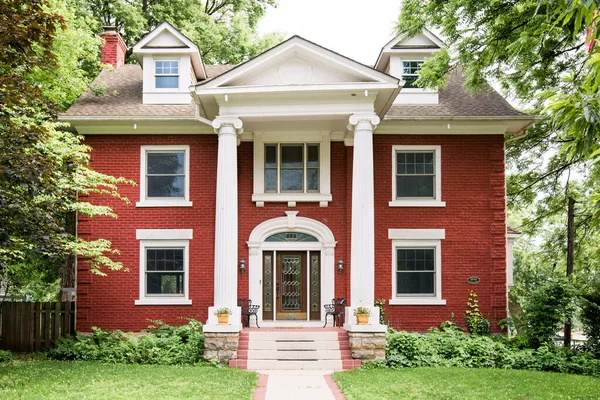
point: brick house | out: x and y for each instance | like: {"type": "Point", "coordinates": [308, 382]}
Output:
{"type": "Point", "coordinates": [293, 178]}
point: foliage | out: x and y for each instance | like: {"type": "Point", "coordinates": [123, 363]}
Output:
{"type": "Point", "coordinates": [456, 383]}
{"type": "Point", "coordinates": [57, 380]}
{"type": "Point", "coordinates": [5, 356]}
{"type": "Point", "coordinates": [380, 303]}
{"type": "Point", "coordinates": [362, 311]}
{"type": "Point", "coordinates": [162, 344]}
{"type": "Point", "coordinates": [37, 277]}
{"type": "Point", "coordinates": [43, 168]}
{"type": "Point", "coordinates": [223, 311]}
{"type": "Point", "coordinates": [476, 323]}
{"type": "Point", "coordinates": [546, 310]}
{"type": "Point", "coordinates": [224, 30]}
{"type": "Point", "coordinates": [590, 316]}
{"type": "Point", "coordinates": [452, 348]}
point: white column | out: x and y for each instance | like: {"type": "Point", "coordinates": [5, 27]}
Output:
{"type": "Point", "coordinates": [226, 226]}
{"type": "Point", "coordinates": [362, 243]}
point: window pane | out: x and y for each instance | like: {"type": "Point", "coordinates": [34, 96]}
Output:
{"type": "Point", "coordinates": [167, 82]}
{"type": "Point", "coordinates": [164, 259]}
{"type": "Point", "coordinates": [313, 156]}
{"type": "Point", "coordinates": [166, 163]}
{"type": "Point", "coordinates": [414, 186]}
{"type": "Point", "coordinates": [291, 179]}
{"type": "Point", "coordinates": [415, 259]}
{"type": "Point", "coordinates": [271, 156]}
{"type": "Point", "coordinates": [291, 157]}
{"type": "Point", "coordinates": [271, 180]}
{"type": "Point", "coordinates": [313, 179]}
{"type": "Point", "coordinates": [164, 283]}
{"type": "Point", "coordinates": [166, 186]}
{"type": "Point", "coordinates": [415, 283]}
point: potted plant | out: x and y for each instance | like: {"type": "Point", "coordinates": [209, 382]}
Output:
{"type": "Point", "coordinates": [223, 314]}
{"type": "Point", "coordinates": [362, 315]}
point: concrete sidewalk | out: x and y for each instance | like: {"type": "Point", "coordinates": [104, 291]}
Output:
{"type": "Point", "coordinates": [297, 385]}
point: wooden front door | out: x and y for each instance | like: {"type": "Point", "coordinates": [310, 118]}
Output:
{"type": "Point", "coordinates": [290, 291]}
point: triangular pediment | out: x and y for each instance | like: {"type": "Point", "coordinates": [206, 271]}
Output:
{"type": "Point", "coordinates": [165, 36]}
{"type": "Point", "coordinates": [422, 43]}
{"type": "Point", "coordinates": [298, 62]}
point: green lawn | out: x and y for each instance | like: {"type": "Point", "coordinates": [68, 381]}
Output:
{"type": "Point", "coordinates": [89, 380]}
{"type": "Point", "coordinates": [464, 384]}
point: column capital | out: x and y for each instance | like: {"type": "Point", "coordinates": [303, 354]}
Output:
{"type": "Point", "coordinates": [221, 122]}
{"type": "Point", "coordinates": [355, 120]}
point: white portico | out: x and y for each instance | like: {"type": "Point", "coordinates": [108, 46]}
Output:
{"type": "Point", "coordinates": [296, 98]}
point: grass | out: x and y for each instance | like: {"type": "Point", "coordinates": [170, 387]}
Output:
{"type": "Point", "coordinates": [89, 380]}
{"type": "Point", "coordinates": [464, 384]}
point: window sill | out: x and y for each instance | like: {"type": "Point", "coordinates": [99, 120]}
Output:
{"type": "Point", "coordinates": [163, 301]}
{"type": "Point", "coordinates": [164, 203]}
{"type": "Point", "coordinates": [292, 197]}
{"type": "Point", "coordinates": [417, 203]}
{"type": "Point", "coordinates": [417, 301]}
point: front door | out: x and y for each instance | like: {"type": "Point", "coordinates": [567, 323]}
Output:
{"type": "Point", "coordinates": [290, 290]}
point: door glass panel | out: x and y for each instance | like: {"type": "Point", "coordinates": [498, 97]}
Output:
{"type": "Point", "coordinates": [314, 282]}
{"type": "Point", "coordinates": [291, 284]}
{"type": "Point", "coordinates": [268, 287]}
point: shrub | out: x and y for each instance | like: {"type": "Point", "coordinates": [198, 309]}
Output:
{"type": "Point", "coordinates": [546, 310]}
{"type": "Point", "coordinates": [476, 324]}
{"type": "Point", "coordinates": [161, 344]}
{"type": "Point", "coordinates": [590, 316]}
{"type": "Point", "coordinates": [5, 356]}
{"type": "Point", "coordinates": [453, 348]}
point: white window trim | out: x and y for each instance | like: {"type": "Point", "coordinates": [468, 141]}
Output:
{"type": "Point", "coordinates": [159, 90]}
{"type": "Point", "coordinates": [418, 238]}
{"type": "Point", "coordinates": [416, 202]}
{"type": "Point", "coordinates": [323, 139]}
{"type": "Point", "coordinates": [164, 238]}
{"type": "Point", "coordinates": [402, 74]}
{"type": "Point", "coordinates": [164, 202]}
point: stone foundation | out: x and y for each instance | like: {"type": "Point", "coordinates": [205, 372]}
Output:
{"type": "Point", "coordinates": [367, 346]}
{"type": "Point", "coordinates": [221, 346]}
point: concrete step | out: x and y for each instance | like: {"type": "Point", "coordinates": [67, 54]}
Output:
{"type": "Point", "coordinates": [293, 335]}
{"type": "Point", "coordinates": [259, 365]}
{"type": "Point", "coordinates": [292, 345]}
{"type": "Point", "coordinates": [294, 354]}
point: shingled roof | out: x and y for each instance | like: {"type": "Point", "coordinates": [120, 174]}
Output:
{"type": "Point", "coordinates": [124, 99]}
{"type": "Point", "coordinates": [124, 96]}
{"type": "Point", "coordinates": [456, 101]}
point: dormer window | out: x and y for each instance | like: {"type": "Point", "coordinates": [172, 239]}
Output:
{"type": "Point", "coordinates": [410, 73]}
{"type": "Point", "coordinates": [166, 74]}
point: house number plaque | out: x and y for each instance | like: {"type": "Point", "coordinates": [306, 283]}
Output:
{"type": "Point", "coordinates": [473, 280]}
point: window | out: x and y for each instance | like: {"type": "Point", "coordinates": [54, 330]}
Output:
{"type": "Point", "coordinates": [416, 266]}
{"type": "Point", "coordinates": [164, 266]}
{"type": "Point", "coordinates": [416, 176]}
{"type": "Point", "coordinates": [166, 74]}
{"type": "Point", "coordinates": [292, 168]}
{"type": "Point", "coordinates": [164, 176]}
{"type": "Point", "coordinates": [410, 73]}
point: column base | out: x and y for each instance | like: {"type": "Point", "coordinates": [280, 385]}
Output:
{"type": "Point", "coordinates": [373, 325]}
{"type": "Point", "coordinates": [221, 347]}
{"type": "Point", "coordinates": [367, 346]}
{"type": "Point", "coordinates": [234, 325]}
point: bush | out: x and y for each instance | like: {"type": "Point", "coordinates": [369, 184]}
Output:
{"type": "Point", "coordinates": [452, 348]}
{"type": "Point", "coordinates": [590, 316]}
{"type": "Point", "coordinates": [5, 356]}
{"type": "Point", "coordinates": [547, 309]}
{"type": "Point", "coordinates": [476, 324]}
{"type": "Point", "coordinates": [161, 344]}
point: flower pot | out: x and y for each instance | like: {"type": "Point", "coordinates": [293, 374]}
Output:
{"type": "Point", "coordinates": [223, 319]}
{"type": "Point", "coordinates": [362, 319]}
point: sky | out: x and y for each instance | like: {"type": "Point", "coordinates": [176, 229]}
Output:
{"type": "Point", "coordinates": [354, 28]}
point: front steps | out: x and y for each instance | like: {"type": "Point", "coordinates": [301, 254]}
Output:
{"type": "Point", "coordinates": [294, 349]}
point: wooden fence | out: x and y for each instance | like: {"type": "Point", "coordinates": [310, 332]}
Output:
{"type": "Point", "coordinates": [34, 326]}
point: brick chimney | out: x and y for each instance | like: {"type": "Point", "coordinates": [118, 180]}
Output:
{"type": "Point", "coordinates": [114, 48]}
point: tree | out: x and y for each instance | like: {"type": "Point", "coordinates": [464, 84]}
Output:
{"type": "Point", "coordinates": [43, 167]}
{"type": "Point", "coordinates": [224, 30]}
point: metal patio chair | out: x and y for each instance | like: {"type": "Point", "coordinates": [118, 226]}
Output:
{"type": "Point", "coordinates": [336, 310]}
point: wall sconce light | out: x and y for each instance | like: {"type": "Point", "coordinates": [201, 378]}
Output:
{"type": "Point", "coordinates": [340, 266]}
{"type": "Point", "coordinates": [242, 266]}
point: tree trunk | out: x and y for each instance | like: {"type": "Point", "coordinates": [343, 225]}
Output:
{"type": "Point", "coordinates": [68, 270]}
{"type": "Point", "coordinates": [570, 250]}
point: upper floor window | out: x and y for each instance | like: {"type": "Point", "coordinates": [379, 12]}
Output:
{"type": "Point", "coordinates": [166, 74]}
{"type": "Point", "coordinates": [410, 73]}
{"type": "Point", "coordinates": [164, 176]}
{"type": "Point", "coordinates": [416, 176]}
{"type": "Point", "coordinates": [291, 168]}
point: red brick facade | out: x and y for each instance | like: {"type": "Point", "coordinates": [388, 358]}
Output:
{"type": "Point", "coordinates": [473, 219]}
{"type": "Point", "coordinates": [113, 49]}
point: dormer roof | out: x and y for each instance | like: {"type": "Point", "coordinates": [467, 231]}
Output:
{"type": "Point", "coordinates": [166, 39]}
{"type": "Point", "coordinates": [425, 42]}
